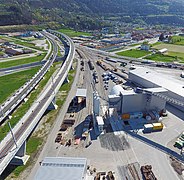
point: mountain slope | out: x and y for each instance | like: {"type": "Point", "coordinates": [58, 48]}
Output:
{"type": "Point", "coordinates": [84, 13]}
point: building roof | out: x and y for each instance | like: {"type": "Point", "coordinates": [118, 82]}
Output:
{"type": "Point", "coordinates": [81, 92]}
{"type": "Point", "coordinates": [162, 50]}
{"type": "Point", "coordinates": [116, 90]}
{"type": "Point", "coordinates": [99, 120]}
{"type": "Point", "coordinates": [171, 84]}
{"type": "Point", "coordinates": [156, 90]}
{"type": "Point", "coordinates": [65, 168]}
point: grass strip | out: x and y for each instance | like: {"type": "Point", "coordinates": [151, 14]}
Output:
{"type": "Point", "coordinates": [18, 62]}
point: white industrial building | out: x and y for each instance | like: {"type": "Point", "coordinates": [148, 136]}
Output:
{"type": "Point", "coordinates": [65, 168]}
{"type": "Point", "coordinates": [148, 78]}
{"type": "Point", "coordinates": [139, 100]}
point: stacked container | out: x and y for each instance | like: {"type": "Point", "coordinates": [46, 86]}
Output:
{"type": "Point", "coordinates": [126, 116]}
{"type": "Point", "coordinates": [157, 126]}
{"type": "Point", "coordinates": [148, 128]}
{"type": "Point", "coordinates": [136, 115]}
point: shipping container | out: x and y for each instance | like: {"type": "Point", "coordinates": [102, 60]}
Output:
{"type": "Point", "coordinates": [148, 128]}
{"type": "Point", "coordinates": [157, 126]}
{"type": "Point", "coordinates": [136, 115]}
{"type": "Point", "coordinates": [126, 116]}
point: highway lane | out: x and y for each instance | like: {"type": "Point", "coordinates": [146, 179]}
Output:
{"type": "Point", "coordinates": [8, 106]}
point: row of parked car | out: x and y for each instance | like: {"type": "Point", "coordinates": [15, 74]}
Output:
{"type": "Point", "coordinates": [180, 141]}
{"type": "Point", "coordinates": [109, 76]}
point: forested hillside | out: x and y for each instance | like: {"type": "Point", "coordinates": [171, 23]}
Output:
{"type": "Point", "coordinates": [88, 13]}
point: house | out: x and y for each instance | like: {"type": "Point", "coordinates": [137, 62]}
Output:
{"type": "Point", "coordinates": [13, 52]}
{"type": "Point", "coordinates": [145, 47]}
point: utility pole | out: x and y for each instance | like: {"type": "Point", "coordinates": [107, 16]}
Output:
{"type": "Point", "coordinates": [12, 134]}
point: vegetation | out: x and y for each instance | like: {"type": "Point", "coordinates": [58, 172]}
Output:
{"type": "Point", "coordinates": [21, 110]}
{"type": "Point", "coordinates": [133, 53]}
{"type": "Point", "coordinates": [177, 40]}
{"type": "Point", "coordinates": [73, 33]}
{"type": "Point", "coordinates": [15, 81]}
{"type": "Point", "coordinates": [161, 58]}
{"type": "Point", "coordinates": [178, 56]}
{"type": "Point", "coordinates": [22, 61]}
{"type": "Point", "coordinates": [35, 141]}
{"type": "Point", "coordinates": [31, 146]}
{"type": "Point", "coordinates": [85, 15]}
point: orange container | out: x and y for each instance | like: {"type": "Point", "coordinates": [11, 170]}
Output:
{"type": "Point", "coordinates": [126, 116]}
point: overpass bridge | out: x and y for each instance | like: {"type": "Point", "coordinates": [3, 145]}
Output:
{"type": "Point", "coordinates": [12, 102]}
{"type": "Point", "coordinates": [15, 152]}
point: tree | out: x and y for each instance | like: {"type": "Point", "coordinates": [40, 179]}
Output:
{"type": "Point", "coordinates": [161, 37]}
{"type": "Point", "coordinates": [170, 39]}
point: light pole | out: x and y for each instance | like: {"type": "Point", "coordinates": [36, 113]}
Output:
{"type": "Point", "coordinates": [12, 134]}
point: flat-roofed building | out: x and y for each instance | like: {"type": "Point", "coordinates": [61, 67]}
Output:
{"type": "Point", "coordinates": [148, 78]}
{"type": "Point", "coordinates": [162, 51]}
{"type": "Point", "coordinates": [139, 100]}
{"type": "Point", "coordinates": [65, 168]}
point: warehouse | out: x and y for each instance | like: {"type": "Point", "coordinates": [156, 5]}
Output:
{"type": "Point", "coordinates": [65, 168]}
{"type": "Point", "coordinates": [137, 100]}
{"type": "Point", "coordinates": [148, 78]}
{"type": "Point", "coordinates": [81, 95]}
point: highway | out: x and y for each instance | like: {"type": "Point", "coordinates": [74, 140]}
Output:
{"type": "Point", "coordinates": [12, 102]}
{"type": "Point", "coordinates": [30, 120]}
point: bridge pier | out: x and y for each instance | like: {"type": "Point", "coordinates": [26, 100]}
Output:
{"type": "Point", "coordinates": [20, 158]}
{"type": "Point", "coordinates": [72, 68]}
{"type": "Point", "coordinates": [52, 105]}
{"type": "Point", "coordinates": [66, 80]}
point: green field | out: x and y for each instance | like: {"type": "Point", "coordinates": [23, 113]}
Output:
{"type": "Point", "coordinates": [161, 58]}
{"type": "Point", "coordinates": [22, 61]}
{"type": "Point", "coordinates": [12, 82]}
{"type": "Point", "coordinates": [177, 40]}
{"type": "Point", "coordinates": [133, 53]}
{"type": "Point", "coordinates": [73, 33]}
{"type": "Point", "coordinates": [177, 55]}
